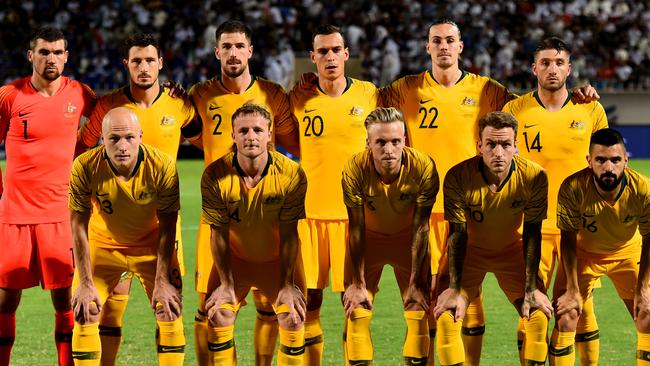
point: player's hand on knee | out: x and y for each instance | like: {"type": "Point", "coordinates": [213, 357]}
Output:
{"type": "Point", "coordinates": [354, 297]}
{"type": "Point", "coordinates": [536, 299]}
{"type": "Point", "coordinates": [584, 94]}
{"type": "Point", "coordinates": [567, 302]}
{"type": "Point", "coordinates": [86, 304]}
{"type": "Point", "coordinates": [214, 304]}
{"type": "Point", "coordinates": [291, 298]}
{"type": "Point", "coordinates": [452, 300]}
{"type": "Point", "coordinates": [166, 301]}
{"type": "Point", "coordinates": [417, 297]}
{"type": "Point", "coordinates": [641, 304]}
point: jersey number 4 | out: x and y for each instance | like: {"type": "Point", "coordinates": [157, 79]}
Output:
{"type": "Point", "coordinates": [533, 145]}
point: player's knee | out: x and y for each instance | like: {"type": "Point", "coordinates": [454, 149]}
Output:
{"type": "Point", "coordinates": [567, 322]}
{"type": "Point", "coordinates": [314, 299]}
{"type": "Point", "coordinates": [93, 315]}
{"type": "Point", "coordinates": [290, 321]}
{"type": "Point", "coordinates": [223, 318]}
{"type": "Point", "coordinates": [165, 316]}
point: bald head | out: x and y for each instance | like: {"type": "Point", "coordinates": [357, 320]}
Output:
{"type": "Point", "coordinates": [122, 137]}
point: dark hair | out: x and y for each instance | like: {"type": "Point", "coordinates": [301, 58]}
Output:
{"type": "Point", "coordinates": [440, 21]}
{"type": "Point", "coordinates": [497, 120]}
{"type": "Point", "coordinates": [233, 26]}
{"type": "Point", "coordinates": [606, 137]}
{"type": "Point", "coordinates": [140, 40]}
{"type": "Point", "coordinates": [552, 43]}
{"type": "Point", "coordinates": [324, 30]}
{"type": "Point", "coordinates": [48, 34]}
{"type": "Point", "coordinates": [250, 108]}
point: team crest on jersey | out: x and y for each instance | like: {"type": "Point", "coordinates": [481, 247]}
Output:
{"type": "Point", "coordinates": [579, 125]}
{"type": "Point", "coordinates": [167, 121]}
{"type": "Point", "coordinates": [517, 203]}
{"type": "Point", "coordinates": [468, 102]}
{"type": "Point", "coordinates": [69, 110]}
{"type": "Point", "coordinates": [356, 111]}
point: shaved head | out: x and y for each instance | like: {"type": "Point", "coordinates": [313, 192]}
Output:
{"type": "Point", "coordinates": [122, 136]}
{"type": "Point", "coordinates": [119, 115]}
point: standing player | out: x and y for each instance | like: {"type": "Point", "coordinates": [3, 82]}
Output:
{"type": "Point", "coordinates": [389, 191]}
{"type": "Point", "coordinates": [39, 117]}
{"type": "Point", "coordinates": [124, 202]}
{"type": "Point", "coordinates": [555, 134]}
{"type": "Point", "coordinates": [486, 199]}
{"type": "Point", "coordinates": [442, 107]}
{"type": "Point", "coordinates": [603, 212]}
{"type": "Point", "coordinates": [252, 200]}
{"type": "Point", "coordinates": [216, 100]}
{"type": "Point", "coordinates": [330, 113]}
{"type": "Point", "coordinates": [164, 119]}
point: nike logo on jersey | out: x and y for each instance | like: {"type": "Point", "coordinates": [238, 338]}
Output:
{"type": "Point", "coordinates": [309, 110]}
{"type": "Point", "coordinates": [531, 125]}
{"type": "Point", "coordinates": [20, 114]}
{"type": "Point", "coordinates": [425, 101]}
{"type": "Point", "coordinates": [213, 107]}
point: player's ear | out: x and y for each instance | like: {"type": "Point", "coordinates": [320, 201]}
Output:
{"type": "Point", "coordinates": [346, 51]}
{"type": "Point", "coordinates": [312, 57]}
{"type": "Point", "coordinates": [160, 63]}
{"type": "Point", "coordinates": [65, 56]}
{"type": "Point", "coordinates": [589, 161]}
{"type": "Point", "coordinates": [216, 52]}
{"type": "Point", "coordinates": [533, 67]}
{"type": "Point", "coordinates": [30, 55]}
{"type": "Point", "coordinates": [367, 143]}
{"type": "Point", "coordinates": [461, 45]}
{"type": "Point", "coordinates": [250, 51]}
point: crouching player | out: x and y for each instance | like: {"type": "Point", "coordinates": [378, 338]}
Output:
{"type": "Point", "coordinates": [124, 202]}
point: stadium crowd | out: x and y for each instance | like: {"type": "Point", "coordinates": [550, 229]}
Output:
{"type": "Point", "coordinates": [612, 36]}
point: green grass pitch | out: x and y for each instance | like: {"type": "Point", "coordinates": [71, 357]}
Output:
{"type": "Point", "coordinates": [35, 321]}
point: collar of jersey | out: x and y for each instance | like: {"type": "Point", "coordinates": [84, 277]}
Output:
{"type": "Point", "coordinates": [240, 171]}
{"type": "Point", "coordinates": [536, 96]}
{"type": "Point", "coordinates": [481, 168]}
{"type": "Point", "coordinates": [348, 84]}
{"type": "Point", "coordinates": [253, 78]}
{"type": "Point", "coordinates": [137, 163]}
{"type": "Point", "coordinates": [463, 73]}
{"type": "Point", "coordinates": [127, 92]}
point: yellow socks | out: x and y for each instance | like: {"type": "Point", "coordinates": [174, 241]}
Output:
{"type": "Point", "coordinates": [86, 345]}
{"type": "Point", "coordinates": [560, 351]}
{"type": "Point", "coordinates": [431, 358]}
{"type": "Point", "coordinates": [292, 347]}
{"type": "Point", "coordinates": [313, 338]}
{"type": "Point", "coordinates": [416, 344]}
{"type": "Point", "coordinates": [221, 345]}
{"type": "Point", "coordinates": [110, 327]}
{"type": "Point", "coordinates": [588, 335]}
{"type": "Point", "coordinates": [359, 342]}
{"type": "Point", "coordinates": [449, 343]}
{"type": "Point", "coordinates": [521, 336]}
{"type": "Point", "coordinates": [201, 334]}
{"type": "Point", "coordinates": [535, 346]}
{"type": "Point", "coordinates": [473, 330]}
{"type": "Point", "coordinates": [171, 345]}
{"type": "Point", "coordinates": [265, 337]}
{"type": "Point", "coordinates": [642, 348]}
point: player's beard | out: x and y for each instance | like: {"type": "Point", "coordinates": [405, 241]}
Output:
{"type": "Point", "coordinates": [50, 74]}
{"type": "Point", "coordinates": [553, 87]}
{"type": "Point", "coordinates": [608, 185]}
{"type": "Point", "coordinates": [234, 73]}
{"type": "Point", "coordinates": [144, 86]}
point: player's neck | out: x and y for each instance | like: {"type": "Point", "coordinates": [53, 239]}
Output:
{"type": "Point", "coordinates": [447, 77]}
{"type": "Point", "coordinates": [388, 176]}
{"type": "Point", "coordinates": [253, 168]}
{"type": "Point", "coordinates": [124, 172]}
{"type": "Point", "coordinates": [45, 87]}
{"type": "Point", "coordinates": [333, 88]}
{"type": "Point", "coordinates": [239, 84]}
{"type": "Point", "coordinates": [552, 100]}
{"type": "Point", "coordinates": [145, 97]}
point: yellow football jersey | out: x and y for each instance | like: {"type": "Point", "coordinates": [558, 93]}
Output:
{"type": "Point", "coordinates": [493, 218]}
{"type": "Point", "coordinates": [443, 122]}
{"type": "Point", "coordinates": [388, 208]}
{"type": "Point", "coordinates": [124, 212]}
{"type": "Point", "coordinates": [253, 214]}
{"type": "Point", "coordinates": [331, 132]}
{"type": "Point", "coordinates": [161, 122]}
{"type": "Point", "coordinates": [558, 141]}
{"type": "Point", "coordinates": [216, 105]}
{"type": "Point", "coordinates": [605, 231]}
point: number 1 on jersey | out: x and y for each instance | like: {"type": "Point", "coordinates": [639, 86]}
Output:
{"type": "Point", "coordinates": [536, 143]}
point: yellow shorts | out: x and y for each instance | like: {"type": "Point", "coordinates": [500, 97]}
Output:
{"type": "Point", "coordinates": [507, 265]}
{"type": "Point", "coordinates": [108, 265]}
{"type": "Point", "coordinates": [204, 262]}
{"type": "Point", "coordinates": [623, 273]}
{"type": "Point", "coordinates": [263, 277]}
{"type": "Point", "coordinates": [548, 260]}
{"type": "Point", "coordinates": [381, 250]}
{"type": "Point", "coordinates": [323, 245]}
{"type": "Point", "coordinates": [438, 231]}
